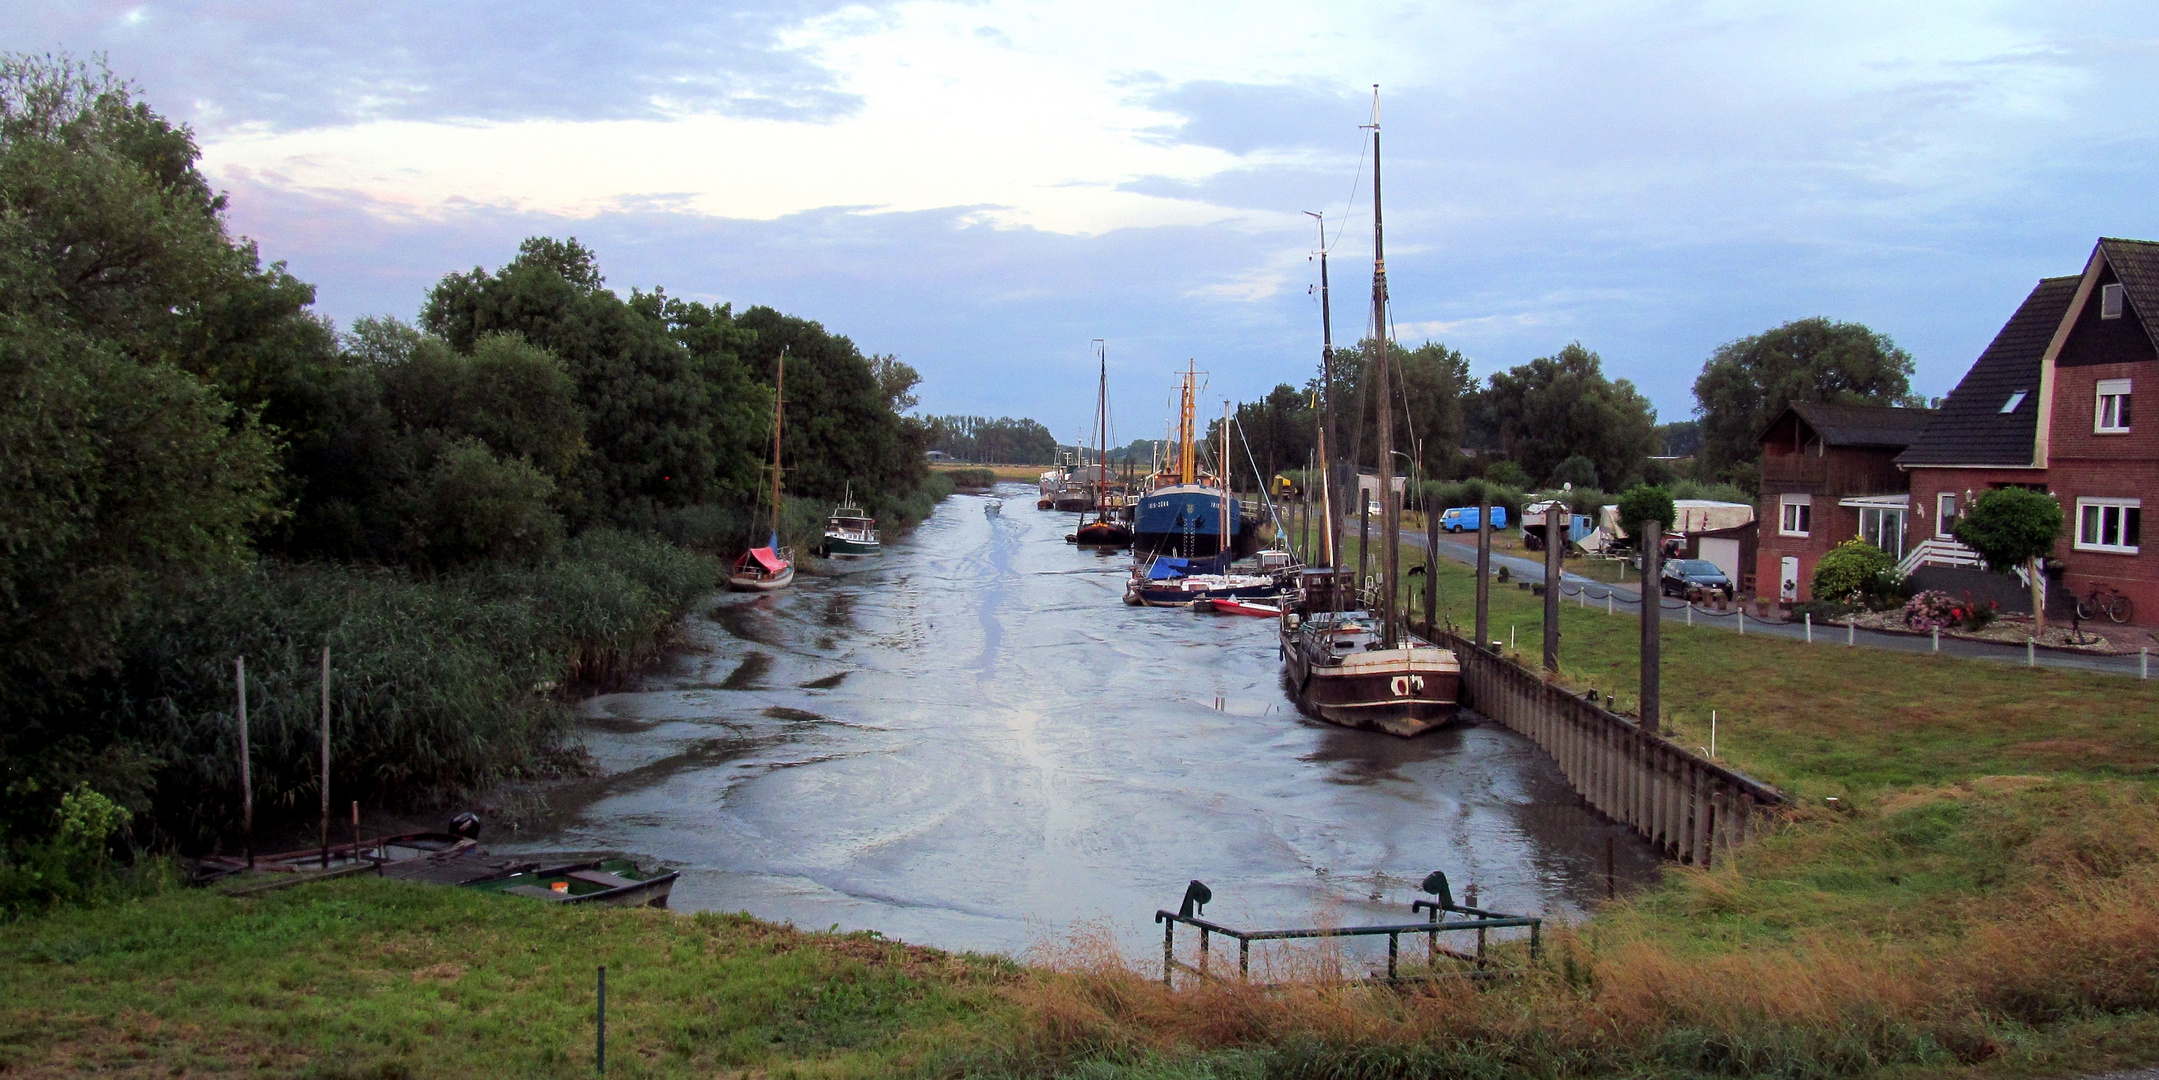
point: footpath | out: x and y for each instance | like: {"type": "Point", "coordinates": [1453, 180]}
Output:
{"type": "Point", "coordinates": [1582, 591]}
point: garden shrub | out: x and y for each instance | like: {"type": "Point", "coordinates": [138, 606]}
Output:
{"type": "Point", "coordinates": [1853, 571]}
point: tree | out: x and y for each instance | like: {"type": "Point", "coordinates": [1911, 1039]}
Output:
{"type": "Point", "coordinates": [1430, 422]}
{"type": "Point", "coordinates": [999, 441]}
{"type": "Point", "coordinates": [1577, 471]}
{"type": "Point", "coordinates": [1747, 382]}
{"type": "Point", "coordinates": [841, 429]}
{"type": "Point", "coordinates": [1645, 503]}
{"type": "Point", "coordinates": [1560, 406]}
{"type": "Point", "coordinates": [2014, 528]}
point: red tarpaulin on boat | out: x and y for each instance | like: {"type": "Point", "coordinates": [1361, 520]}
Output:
{"type": "Point", "coordinates": [767, 558]}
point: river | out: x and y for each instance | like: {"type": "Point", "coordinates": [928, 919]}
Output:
{"type": "Point", "coordinates": [972, 743]}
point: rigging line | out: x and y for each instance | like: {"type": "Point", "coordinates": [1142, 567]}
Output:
{"type": "Point", "coordinates": [1362, 150]}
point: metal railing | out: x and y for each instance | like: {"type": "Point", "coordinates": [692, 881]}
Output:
{"type": "Point", "coordinates": [1197, 895]}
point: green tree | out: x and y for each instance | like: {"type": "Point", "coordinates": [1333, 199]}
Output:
{"type": "Point", "coordinates": [1560, 406]}
{"type": "Point", "coordinates": [1431, 383]}
{"type": "Point", "coordinates": [1645, 503]}
{"type": "Point", "coordinates": [841, 430]}
{"type": "Point", "coordinates": [1747, 382]}
{"type": "Point", "coordinates": [2015, 528]}
{"type": "Point", "coordinates": [1577, 470]}
{"type": "Point", "coordinates": [668, 423]}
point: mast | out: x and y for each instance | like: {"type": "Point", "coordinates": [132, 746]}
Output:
{"type": "Point", "coordinates": [1222, 539]}
{"type": "Point", "coordinates": [1330, 535]}
{"type": "Point", "coordinates": [779, 418]}
{"type": "Point", "coordinates": [1390, 512]}
{"type": "Point", "coordinates": [1101, 411]}
{"type": "Point", "coordinates": [1187, 468]}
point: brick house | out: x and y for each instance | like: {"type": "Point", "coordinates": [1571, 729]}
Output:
{"type": "Point", "coordinates": [1829, 473]}
{"type": "Point", "coordinates": [2048, 406]}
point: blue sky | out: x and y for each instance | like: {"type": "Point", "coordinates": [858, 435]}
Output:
{"type": "Point", "coordinates": [983, 187]}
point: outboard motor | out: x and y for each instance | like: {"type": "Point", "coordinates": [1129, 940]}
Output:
{"type": "Point", "coordinates": [467, 825]}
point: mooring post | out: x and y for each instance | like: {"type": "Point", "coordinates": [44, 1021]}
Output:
{"type": "Point", "coordinates": [2144, 662]}
{"type": "Point", "coordinates": [247, 783]}
{"type": "Point", "coordinates": [1555, 540]}
{"type": "Point", "coordinates": [1652, 627]}
{"type": "Point", "coordinates": [1937, 639]}
{"type": "Point", "coordinates": [326, 757]}
{"type": "Point", "coordinates": [1742, 622]}
{"type": "Point", "coordinates": [1431, 564]}
{"type": "Point", "coordinates": [1484, 568]}
{"type": "Point", "coordinates": [1851, 632]}
{"type": "Point", "coordinates": [2031, 655]}
{"type": "Point", "coordinates": [1810, 627]}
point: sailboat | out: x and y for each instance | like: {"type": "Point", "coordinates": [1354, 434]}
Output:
{"type": "Point", "coordinates": [1346, 665]}
{"type": "Point", "coordinates": [1104, 530]}
{"type": "Point", "coordinates": [763, 569]}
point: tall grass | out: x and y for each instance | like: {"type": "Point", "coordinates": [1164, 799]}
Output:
{"type": "Point", "coordinates": [437, 685]}
{"type": "Point", "coordinates": [2026, 912]}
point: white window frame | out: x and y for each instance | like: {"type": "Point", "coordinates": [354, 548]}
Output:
{"type": "Point", "coordinates": [1881, 521]}
{"type": "Point", "coordinates": [2110, 301]}
{"type": "Point", "coordinates": [2113, 407]}
{"type": "Point", "coordinates": [1785, 505]}
{"type": "Point", "coordinates": [2101, 505]}
{"type": "Point", "coordinates": [1945, 514]}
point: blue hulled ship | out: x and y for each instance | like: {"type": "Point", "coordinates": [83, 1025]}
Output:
{"type": "Point", "coordinates": [1185, 511]}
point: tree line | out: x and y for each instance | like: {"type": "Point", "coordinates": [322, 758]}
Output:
{"type": "Point", "coordinates": [986, 441]}
{"type": "Point", "coordinates": [1560, 419]}
{"type": "Point", "coordinates": [518, 489]}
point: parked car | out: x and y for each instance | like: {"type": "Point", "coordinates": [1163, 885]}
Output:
{"type": "Point", "coordinates": [1683, 576]}
{"type": "Point", "coordinates": [1464, 519]}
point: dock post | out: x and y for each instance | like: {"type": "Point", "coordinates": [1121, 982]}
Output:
{"type": "Point", "coordinates": [1652, 627]}
{"type": "Point", "coordinates": [2031, 655]}
{"type": "Point", "coordinates": [1431, 564]}
{"type": "Point", "coordinates": [1555, 542]}
{"type": "Point", "coordinates": [1937, 639]}
{"type": "Point", "coordinates": [326, 757]}
{"type": "Point", "coordinates": [1851, 632]}
{"type": "Point", "coordinates": [1484, 567]}
{"type": "Point", "coordinates": [247, 781]}
{"type": "Point", "coordinates": [2144, 662]}
{"type": "Point", "coordinates": [1810, 627]}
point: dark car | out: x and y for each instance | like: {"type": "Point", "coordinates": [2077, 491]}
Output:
{"type": "Point", "coordinates": [1683, 576]}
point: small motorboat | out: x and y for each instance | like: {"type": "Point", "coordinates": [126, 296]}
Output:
{"type": "Point", "coordinates": [1103, 532]}
{"type": "Point", "coordinates": [850, 533]}
{"type": "Point", "coordinates": [1229, 605]}
{"type": "Point", "coordinates": [990, 507]}
{"type": "Point", "coordinates": [609, 882]}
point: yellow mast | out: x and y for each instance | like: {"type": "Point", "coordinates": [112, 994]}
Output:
{"type": "Point", "coordinates": [1187, 471]}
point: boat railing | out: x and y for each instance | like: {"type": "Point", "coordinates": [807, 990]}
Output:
{"type": "Point", "coordinates": [1473, 964]}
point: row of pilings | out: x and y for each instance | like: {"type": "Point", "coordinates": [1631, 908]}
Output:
{"type": "Point", "coordinates": [1693, 809]}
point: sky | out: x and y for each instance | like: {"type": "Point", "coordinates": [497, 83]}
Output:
{"type": "Point", "coordinates": [983, 188]}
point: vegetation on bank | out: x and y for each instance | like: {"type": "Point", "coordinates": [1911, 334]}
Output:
{"type": "Point", "coordinates": [516, 496]}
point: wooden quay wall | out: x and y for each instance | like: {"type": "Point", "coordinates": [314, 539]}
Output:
{"type": "Point", "coordinates": [1691, 808]}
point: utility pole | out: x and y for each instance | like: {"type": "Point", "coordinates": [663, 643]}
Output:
{"type": "Point", "coordinates": [1555, 543]}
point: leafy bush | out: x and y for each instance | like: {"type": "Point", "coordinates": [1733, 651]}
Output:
{"type": "Point", "coordinates": [1852, 571]}
{"type": "Point", "coordinates": [1822, 610]}
{"type": "Point", "coordinates": [1507, 474]}
{"type": "Point", "coordinates": [71, 864]}
{"type": "Point", "coordinates": [1577, 470]}
{"type": "Point", "coordinates": [1646, 503]}
{"type": "Point", "coordinates": [970, 478]}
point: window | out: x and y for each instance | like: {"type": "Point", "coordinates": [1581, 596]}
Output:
{"type": "Point", "coordinates": [1798, 515]}
{"type": "Point", "coordinates": [1884, 529]}
{"type": "Point", "coordinates": [2112, 415]}
{"type": "Point", "coordinates": [2109, 525]}
{"type": "Point", "coordinates": [1945, 514]}
{"type": "Point", "coordinates": [2015, 400]}
{"type": "Point", "coordinates": [2110, 301]}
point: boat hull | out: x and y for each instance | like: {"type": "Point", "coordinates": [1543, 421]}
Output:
{"type": "Point", "coordinates": [843, 547]}
{"type": "Point", "coordinates": [1403, 692]}
{"type": "Point", "coordinates": [1187, 519]}
{"type": "Point", "coordinates": [761, 582]}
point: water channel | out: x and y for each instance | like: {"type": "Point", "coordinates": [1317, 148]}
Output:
{"type": "Point", "coordinates": [973, 743]}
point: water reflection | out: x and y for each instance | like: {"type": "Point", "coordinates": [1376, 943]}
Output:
{"type": "Point", "coordinates": [972, 741]}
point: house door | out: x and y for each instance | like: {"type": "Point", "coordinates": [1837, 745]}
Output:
{"type": "Point", "coordinates": [1788, 578]}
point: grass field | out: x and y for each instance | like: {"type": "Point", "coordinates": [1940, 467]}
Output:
{"type": "Point", "coordinates": [1028, 473]}
{"type": "Point", "coordinates": [1982, 899]}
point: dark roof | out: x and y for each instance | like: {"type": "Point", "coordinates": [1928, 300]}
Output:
{"type": "Point", "coordinates": [2136, 263]}
{"type": "Point", "coordinates": [1970, 427]}
{"type": "Point", "coordinates": [1863, 425]}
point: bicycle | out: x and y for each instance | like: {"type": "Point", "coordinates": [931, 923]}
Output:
{"type": "Point", "coordinates": [2105, 600]}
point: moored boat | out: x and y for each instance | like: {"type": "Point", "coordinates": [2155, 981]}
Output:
{"type": "Point", "coordinates": [763, 569]}
{"type": "Point", "coordinates": [1232, 606]}
{"type": "Point", "coordinates": [850, 533]}
{"type": "Point", "coordinates": [608, 882]}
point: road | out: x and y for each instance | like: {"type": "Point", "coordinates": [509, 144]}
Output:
{"type": "Point", "coordinates": [1627, 600]}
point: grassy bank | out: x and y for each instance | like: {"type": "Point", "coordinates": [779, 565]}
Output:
{"type": "Point", "coordinates": [1027, 473]}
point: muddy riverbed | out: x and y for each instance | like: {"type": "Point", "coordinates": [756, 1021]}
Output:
{"type": "Point", "coordinates": [972, 743]}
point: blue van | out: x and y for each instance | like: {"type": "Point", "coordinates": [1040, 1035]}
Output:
{"type": "Point", "coordinates": [1464, 519]}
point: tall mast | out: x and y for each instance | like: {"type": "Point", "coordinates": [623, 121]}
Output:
{"type": "Point", "coordinates": [1390, 512]}
{"type": "Point", "coordinates": [779, 417]}
{"type": "Point", "coordinates": [1223, 459]}
{"type": "Point", "coordinates": [1187, 454]}
{"type": "Point", "coordinates": [1101, 411]}
{"type": "Point", "coordinates": [1330, 535]}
